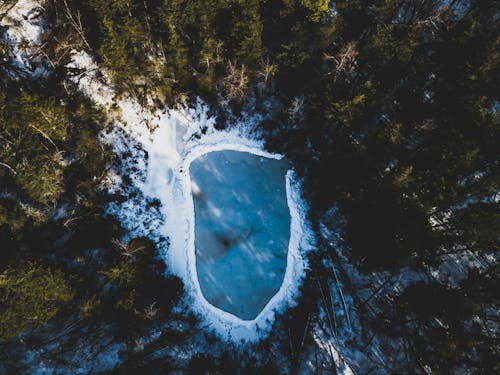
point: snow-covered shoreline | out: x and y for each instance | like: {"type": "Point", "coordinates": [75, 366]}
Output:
{"type": "Point", "coordinates": [228, 325]}
{"type": "Point", "coordinates": [169, 140]}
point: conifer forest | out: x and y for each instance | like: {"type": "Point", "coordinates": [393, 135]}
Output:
{"type": "Point", "coordinates": [249, 187]}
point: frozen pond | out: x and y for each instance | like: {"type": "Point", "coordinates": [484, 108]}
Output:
{"type": "Point", "coordinates": [242, 229]}
{"type": "Point", "coordinates": [251, 227]}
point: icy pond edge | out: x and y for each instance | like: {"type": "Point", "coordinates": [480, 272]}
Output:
{"type": "Point", "coordinates": [183, 258]}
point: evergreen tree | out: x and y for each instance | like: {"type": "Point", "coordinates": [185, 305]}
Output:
{"type": "Point", "coordinates": [30, 295]}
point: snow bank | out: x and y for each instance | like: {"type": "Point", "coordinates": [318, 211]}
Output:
{"type": "Point", "coordinates": [161, 144]}
{"type": "Point", "coordinates": [179, 213]}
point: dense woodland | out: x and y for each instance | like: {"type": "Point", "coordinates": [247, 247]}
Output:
{"type": "Point", "coordinates": [388, 110]}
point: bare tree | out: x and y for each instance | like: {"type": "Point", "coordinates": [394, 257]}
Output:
{"type": "Point", "coordinates": [296, 106]}
{"type": "Point", "coordinates": [151, 311]}
{"type": "Point", "coordinates": [345, 59]}
{"type": "Point", "coordinates": [125, 249]}
{"type": "Point", "coordinates": [236, 80]}
{"type": "Point", "coordinates": [268, 70]}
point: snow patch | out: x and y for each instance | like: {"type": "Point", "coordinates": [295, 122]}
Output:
{"type": "Point", "coordinates": [24, 28]}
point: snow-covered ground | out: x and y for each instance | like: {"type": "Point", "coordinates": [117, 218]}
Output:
{"type": "Point", "coordinates": [161, 145]}
{"type": "Point", "coordinates": [23, 22]}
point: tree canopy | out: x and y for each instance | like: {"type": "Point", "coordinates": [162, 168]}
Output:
{"type": "Point", "coordinates": [387, 109]}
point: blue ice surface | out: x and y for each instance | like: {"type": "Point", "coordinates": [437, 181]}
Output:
{"type": "Point", "coordinates": [242, 229]}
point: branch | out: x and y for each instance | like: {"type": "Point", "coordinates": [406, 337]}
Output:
{"type": "Point", "coordinates": [76, 23]}
{"type": "Point", "coordinates": [9, 167]}
{"type": "Point", "coordinates": [44, 134]}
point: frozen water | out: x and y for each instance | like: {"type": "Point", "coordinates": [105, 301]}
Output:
{"type": "Point", "coordinates": [242, 229]}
